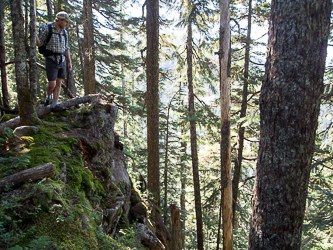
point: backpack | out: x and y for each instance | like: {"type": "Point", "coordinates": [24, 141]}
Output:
{"type": "Point", "coordinates": [42, 49]}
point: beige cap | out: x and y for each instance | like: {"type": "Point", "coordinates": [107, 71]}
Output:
{"type": "Point", "coordinates": [63, 15]}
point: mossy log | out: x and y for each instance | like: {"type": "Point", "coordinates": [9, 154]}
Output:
{"type": "Point", "coordinates": [31, 174]}
{"type": "Point", "coordinates": [15, 122]}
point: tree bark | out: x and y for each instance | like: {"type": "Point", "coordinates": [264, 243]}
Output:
{"type": "Point", "coordinates": [32, 50]}
{"type": "Point", "coordinates": [31, 174]}
{"type": "Point", "coordinates": [3, 56]}
{"type": "Point", "coordinates": [289, 108]}
{"type": "Point", "coordinates": [241, 131]}
{"type": "Point", "coordinates": [176, 228]}
{"type": "Point", "coordinates": [225, 145]}
{"type": "Point", "coordinates": [26, 106]}
{"type": "Point", "coordinates": [89, 80]}
{"type": "Point", "coordinates": [152, 98]}
{"type": "Point", "coordinates": [193, 138]}
{"type": "Point", "coordinates": [81, 48]}
{"type": "Point", "coordinates": [183, 190]}
{"type": "Point", "coordinates": [49, 10]}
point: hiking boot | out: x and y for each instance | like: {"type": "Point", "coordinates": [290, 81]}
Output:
{"type": "Point", "coordinates": [47, 102]}
{"type": "Point", "coordinates": [58, 108]}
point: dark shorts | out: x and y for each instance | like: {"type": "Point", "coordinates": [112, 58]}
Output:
{"type": "Point", "coordinates": [54, 70]}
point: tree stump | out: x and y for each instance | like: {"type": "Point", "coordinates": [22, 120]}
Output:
{"type": "Point", "coordinates": [176, 228]}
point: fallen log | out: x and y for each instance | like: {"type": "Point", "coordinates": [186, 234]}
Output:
{"type": "Point", "coordinates": [31, 174]}
{"type": "Point", "coordinates": [15, 122]}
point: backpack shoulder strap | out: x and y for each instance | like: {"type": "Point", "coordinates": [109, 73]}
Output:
{"type": "Point", "coordinates": [49, 25]}
{"type": "Point", "coordinates": [65, 35]}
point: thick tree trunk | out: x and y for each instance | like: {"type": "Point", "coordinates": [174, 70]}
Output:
{"type": "Point", "coordinates": [152, 98]}
{"type": "Point", "coordinates": [3, 57]}
{"type": "Point", "coordinates": [89, 80]}
{"type": "Point", "coordinates": [289, 108]}
{"type": "Point", "coordinates": [241, 131]}
{"type": "Point", "coordinates": [31, 174]}
{"type": "Point", "coordinates": [225, 147]}
{"type": "Point", "coordinates": [193, 139]}
{"type": "Point", "coordinates": [26, 106]}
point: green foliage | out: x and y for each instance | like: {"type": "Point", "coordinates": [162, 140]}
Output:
{"type": "Point", "coordinates": [127, 237]}
{"type": "Point", "coordinates": [11, 164]}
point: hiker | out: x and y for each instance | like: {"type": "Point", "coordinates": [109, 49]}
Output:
{"type": "Point", "coordinates": [55, 48]}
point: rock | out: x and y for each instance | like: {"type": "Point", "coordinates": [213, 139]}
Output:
{"type": "Point", "coordinates": [63, 173]}
{"type": "Point", "coordinates": [111, 217]}
{"type": "Point", "coordinates": [121, 178]}
{"type": "Point", "coordinates": [148, 238]}
{"type": "Point", "coordinates": [139, 212]}
{"type": "Point", "coordinates": [26, 131]}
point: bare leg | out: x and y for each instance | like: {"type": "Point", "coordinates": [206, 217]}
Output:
{"type": "Point", "coordinates": [56, 90]}
{"type": "Point", "coordinates": [50, 87]}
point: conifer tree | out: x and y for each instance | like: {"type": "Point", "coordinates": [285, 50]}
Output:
{"type": "Point", "coordinates": [27, 110]}
{"type": "Point", "coordinates": [4, 87]}
{"type": "Point", "coordinates": [152, 97]}
{"type": "Point", "coordinates": [289, 108]}
{"type": "Point", "coordinates": [89, 81]}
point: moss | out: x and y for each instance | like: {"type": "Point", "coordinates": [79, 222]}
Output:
{"type": "Point", "coordinates": [100, 188]}
{"type": "Point", "coordinates": [135, 197]}
{"type": "Point", "coordinates": [65, 218]}
{"type": "Point", "coordinates": [7, 117]}
{"type": "Point", "coordinates": [67, 232]}
{"type": "Point", "coordinates": [88, 179]}
{"type": "Point", "coordinates": [157, 209]}
{"type": "Point", "coordinates": [123, 222]}
{"type": "Point", "coordinates": [28, 139]}
{"type": "Point", "coordinates": [75, 125]}
{"type": "Point", "coordinates": [75, 173]}
{"type": "Point", "coordinates": [45, 193]}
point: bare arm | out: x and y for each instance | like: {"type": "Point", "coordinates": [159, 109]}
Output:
{"type": "Point", "coordinates": [38, 42]}
{"type": "Point", "coordinates": [69, 62]}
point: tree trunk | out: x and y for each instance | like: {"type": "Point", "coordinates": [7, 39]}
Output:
{"type": "Point", "coordinates": [241, 131]}
{"type": "Point", "coordinates": [49, 10]}
{"type": "Point", "coordinates": [289, 108]}
{"type": "Point", "coordinates": [81, 48]}
{"type": "Point", "coordinates": [183, 190]}
{"type": "Point", "coordinates": [166, 161]}
{"type": "Point", "coordinates": [176, 228]}
{"type": "Point", "coordinates": [31, 174]}
{"type": "Point", "coordinates": [3, 56]}
{"type": "Point", "coordinates": [32, 50]}
{"type": "Point", "coordinates": [193, 139]}
{"type": "Point", "coordinates": [225, 147]}
{"type": "Point", "coordinates": [89, 81]}
{"type": "Point", "coordinates": [27, 111]}
{"type": "Point", "coordinates": [152, 98]}
{"type": "Point", "coordinates": [166, 170]}
{"type": "Point", "coordinates": [58, 6]}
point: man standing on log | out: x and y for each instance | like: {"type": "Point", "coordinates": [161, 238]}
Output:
{"type": "Point", "coordinates": [56, 48]}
